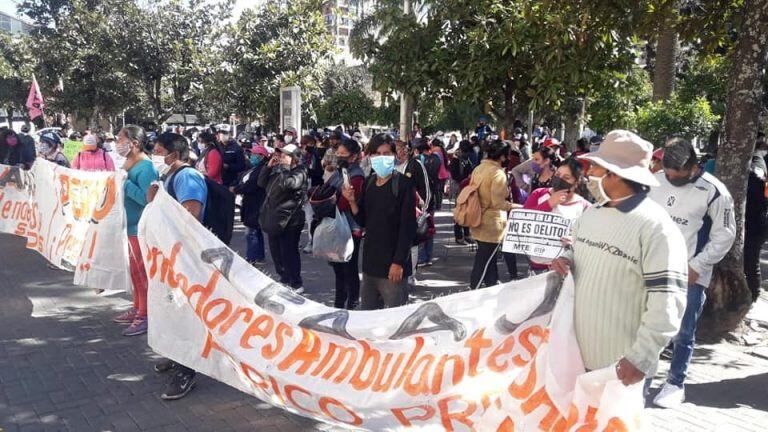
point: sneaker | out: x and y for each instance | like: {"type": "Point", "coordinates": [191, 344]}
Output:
{"type": "Point", "coordinates": [181, 384]}
{"type": "Point", "coordinates": [469, 240]}
{"type": "Point", "coordinates": [667, 353]}
{"type": "Point", "coordinates": [460, 242]}
{"type": "Point", "coordinates": [164, 365]}
{"type": "Point", "coordinates": [126, 317]}
{"type": "Point", "coordinates": [298, 290]}
{"type": "Point", "coordinates": [137, 327]}
{"type": "Point", "coordinates": [670, 396]}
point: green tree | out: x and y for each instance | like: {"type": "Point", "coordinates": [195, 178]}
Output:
{"type": "Point", "coordinates": [16, 66]}
{"type": "Point", "coordinates": [275, 46]}
{"type": "Point", "coordinates": [167, 48]}
{"type": "Point", "coordinates": [661, 120]}
{"type": "Point", "coordinates": [346, 107]}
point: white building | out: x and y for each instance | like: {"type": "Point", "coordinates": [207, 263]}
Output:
{"type": "Point", "coordinates": [340, 17]}
{"type": "Point", "coordinates": [13, 25]}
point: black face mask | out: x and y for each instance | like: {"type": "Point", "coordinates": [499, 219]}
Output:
{"type": "Point", "coordinates": [679, 182]}
{"type": "Point", "coordinates": [342, 163]}
{"type": "Point", "coordinates": [559, 184]}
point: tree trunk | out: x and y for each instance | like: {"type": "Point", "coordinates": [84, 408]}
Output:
{"type": "Point", "coordinates": [510, 103]}
{"type": "Point", "coordinates": [574, 121]}
{"type": "Point", "coordinates": [667, 45]}
{"type": "Point", "coordinates": [728, 298]}
{"type": "Point", "coordinates": [9, 110]}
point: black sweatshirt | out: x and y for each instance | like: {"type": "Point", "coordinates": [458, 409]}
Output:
{"type": "Point", "coordinates": [390, 226]}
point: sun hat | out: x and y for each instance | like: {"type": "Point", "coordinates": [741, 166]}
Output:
{"type": "Point", "coordinates": [625, 154]}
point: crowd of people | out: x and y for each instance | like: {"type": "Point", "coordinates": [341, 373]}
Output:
{"type": "Point", "coordinates": [641, 277]}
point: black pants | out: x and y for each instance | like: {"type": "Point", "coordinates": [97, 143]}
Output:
{"type": "Point", "coordinates": [486, 256]}
{"type": "Point", "coordinates": [439, 192]}
{"type": "Point", "coordinates": [284, 248]}
{"type": "Point", "coordinates": [511, 260]}
{"type": "Point", "coordinates": [753, 244]}
{"type": "Point", "coordinates": [348, 280]}
{"type": "Point", "coordinates": [460, 232]}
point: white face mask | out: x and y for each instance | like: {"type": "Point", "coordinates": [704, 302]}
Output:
{"type": "Point", "coordinates": [160, 165]}
{"type": "Point", "coordinates": [761, 153]}
{"type": "Point", "coordinates": [288, 139]}
{"type": "Point", "coordinates": [595, 187]}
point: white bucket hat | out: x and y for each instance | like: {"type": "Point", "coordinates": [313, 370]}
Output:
{"type": "Point", "coordinates": [627, 155]}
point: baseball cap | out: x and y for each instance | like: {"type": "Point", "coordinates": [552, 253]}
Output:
{"type": "Point", "coordinates": [290, 149]}
{"type": "Point", "coordinates": [626, 154]}
{"type": "Point", "coordinates": [223, 128]}
{"type": "Point", "coordinates": [290, 129]}
{"type": "Point", "coordinates": [259, 150]}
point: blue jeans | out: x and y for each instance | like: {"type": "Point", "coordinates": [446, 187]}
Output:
{"type": "Point", "coordinates": [254, 240]}
{"type": "Point", "coordinates": [426, 250]}
{"type": "Point", "coordinates": [684, 341]}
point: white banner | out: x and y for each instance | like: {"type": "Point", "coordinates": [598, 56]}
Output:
{"type": "Point", "coordinates": [535, 234]}
{"type": "Point", "coordinates": [501, 359]}
{"type": "Point", "coordinates": [75, 219]}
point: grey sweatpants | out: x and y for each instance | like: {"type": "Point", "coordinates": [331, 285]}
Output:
{"type": "Point", "coordinates": [380, 293]}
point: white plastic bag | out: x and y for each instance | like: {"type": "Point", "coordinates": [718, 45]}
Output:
{"type": "Point", "coordinates": [332, 239]}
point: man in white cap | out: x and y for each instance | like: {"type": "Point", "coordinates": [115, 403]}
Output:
{"type": "Point", "coordinates": [702, 208]}
{"type": "Point", "coordinates": [629, 264]}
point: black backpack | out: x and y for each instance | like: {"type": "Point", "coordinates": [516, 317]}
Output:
{"type": "Point", "coordinates": [219, 208]}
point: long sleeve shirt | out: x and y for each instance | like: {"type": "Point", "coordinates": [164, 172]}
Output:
{"type": "Point", "coordinates": [388, 214]}
{"type": "Point", "coordinates": [703, 211]}
{"type": "Point", "coordinates": [93, 161]}
{"type": "Point", "coordinates": [629, 263]}
{"type": "Point", "coordinates": [494, 201]}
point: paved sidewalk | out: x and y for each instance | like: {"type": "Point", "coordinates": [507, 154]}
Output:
{"type": "Point", "coordinates": [65, 367]}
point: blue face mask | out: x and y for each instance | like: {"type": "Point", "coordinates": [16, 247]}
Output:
{"type": "Point", "coordinates": [383, 165]}
{"type": "Point", "coordinates": [422, 158]}
{"type": "Point", "coordinates": [256, 159]}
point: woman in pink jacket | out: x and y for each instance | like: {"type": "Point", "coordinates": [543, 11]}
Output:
{"type": "Point", "coordinates": [561, 198]}
{"type": "Point", "coordinates": [93, 157]}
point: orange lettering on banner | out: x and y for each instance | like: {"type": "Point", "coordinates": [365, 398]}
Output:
{"type": "Point", "coordinates": [370, 357]}
{"type": "Point", "coordinates": [283, 330]}
{"type": "Point", "coordinates": [448, 417]}
{"type": "Point", "coordinates": [261, 327]}
{"type": "Point", "coordinates": [486, 401]}
{"type": "Point", "coordinates": [421, 386]}
{"type": "Point", "coordinates": [307, 352]}
{"type": "Point", "coordinates": [541, 397]}
{"type": "Point", "coordinates": [590, 422]}
{"type": "Point", "coordinates": [476, 343]}
{"type": "Point", "coordinates": [249, 373]}
{"type": "Point", "coordinates": [276, 389]}
{"type": "Point", "coordinates": [565, 424]}
{"type": "Point", "coordinates": [502, 349]}
{"type": "Point", "coordinates": [290, 389]}
{"type": "Point", "coordinates": [166, 272]}
{"type": "Point", "coordinates": [210, 345]}
{"type": "Point", "coordinates": [415, 353]}
{"type": "Point", "coordinates": [324, 405]}
{"type": "Point", "coordinates": [204, 291]}
{"type": "Point", "coordinates": [6, 209]}
{"type": "Point", "coordinates": [522, 391]}
{"type": "Point", "coordinates": [103, 209]}
{"type": "Point", "coordinates": [64, 192]}
{"type": "Point", "coordinates": [225, 311]}
{"type": "Point", "coordinates": [244, 313]}
{"type": "Point", "coordinates": [399, 413]}
{"type": "Point", "coordinates": [525, 341]}
{"type": "Point", "coordinates": [152, 255]}
{"type": "Point", "coordinates": [346, 356]}
{"type": "Point", "coordinates": [382, 386]}
{"type": "Point", "coordinates": [456, 377]}
{"type": "Point", "coordinates": [506, 426]}
{"type": "Point", "coordinates": [615, 425]}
